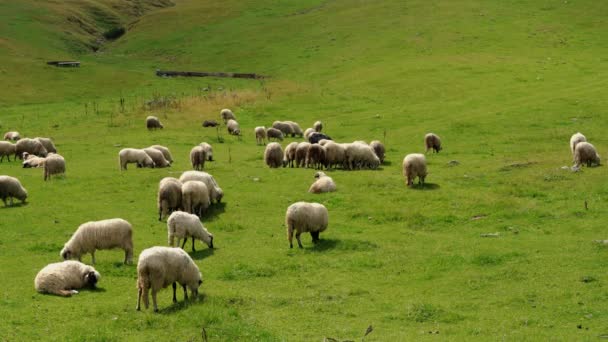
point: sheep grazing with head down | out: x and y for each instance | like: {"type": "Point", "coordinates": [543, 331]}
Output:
{"type": "Point", "coordinates": [198, 157]}
{"type": "Point", "coordinates": [134, 156]}
{"type": "Point", "coordinates": [315, 156]}
{"type": "Point", "coordinates": [308, 132]}
{"type": "Point", "coordinates": [275, 134]}
{"type": "Point", "coordinates": [575, 139]}
{"type": "Point", "coordinates": [54, 164]}
{"type": "Point", "coordinates": [157, 157]}
{"type": "Point", "coordinates": [30, 146]}
{"type": "Point", "coordinates": [414, 165]}
{"type": "Point", "coordinates": [10, 188]}
{"type": "Point", "coordinates": [302, 217]}
{"type": "Point", "coordinates": [295, 128]}
{"type": "Point", "coordinates": [260, 135]}
{"type": "Point", "coordinates": [432, 141]}
{"type": "Point", "coordinates": [182, 225]}
{"type": "Point", "coordinates": [301, 152]}
{"type": "Point", "coordinates": [289, 155]}
{"type": "Point", "coordinates": [6, 150]}
{"type": "Point", "coordinates": [12, 136]}
{"type": "Point", "coordinates": [585, 153]}
{"type": "Point", "coordinates": [98, 235]}
{"type": "Point", "coordinates": [195, 197]}
{"type": "Point", "coordinates": [233, 127]}
{"type": "Point", "coordinates": [318, 126]}
{"type": "Point", "coordinates": [378, 148]}
{"type": "Point", "coordinates": [48, 144]}
{"type": "Point", "coordinates": [63, 278]}
{"type": "Point", "coordinates": [169, 196]}
{"type": "Point", "coordinates": [335, 154]}
{"type": "Point", "coordinates": [359, 155]}
{"type": "Point", "coordinates": [160, 266]}
{"type": "Point", "coordinates": [323, 183]}
{"type": "Point", "coordinates": [152, 122]}
{"type": "Point", "coordinates": [208, 150]}
{"type": "Point", "coordinates": [284, 127]}
{"type": "Point", "coordinates": [226, 115]}
{"type": "Point", "coordinates": [273, 155]}
{"type": "Point", "coordinates": [215, 192]}
{"type": "Point", "coordinates": [165, 151]}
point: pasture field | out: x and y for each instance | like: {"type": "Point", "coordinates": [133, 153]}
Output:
{"type": "Point", "coordinates": [504, 83]}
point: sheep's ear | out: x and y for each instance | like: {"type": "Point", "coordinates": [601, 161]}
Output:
{"type": "Point", "coordinates": [200, 281]}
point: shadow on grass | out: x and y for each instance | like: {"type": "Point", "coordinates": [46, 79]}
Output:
{"type": "Point", "coordinates": [387, 163]}
{"type": "Point", "coordinates": [425, 186]}
{"type": "Point", "coordinates": [202, 253]}
{"type": "Point", "coordinates": [15, 205]}
{"type": "Point", "coordinates": [214, 211]}
{"type": "Point", "coordinates": [340, 245]}
{"type": "Point", "coordinates": [92, 289]}
{"type": "Point", "coordinates": [183, 304]}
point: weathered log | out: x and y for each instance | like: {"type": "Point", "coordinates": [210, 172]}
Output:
{"type": "Point", "coordinates": [164, 73]}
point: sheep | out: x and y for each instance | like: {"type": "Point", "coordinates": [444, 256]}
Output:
{"type": "Point", "coordinates": [303, 217]}
{"type": "Point", "coordinates": [215, 192]}
{"type": "Point", "coordinates": [198, 157]}
{"type": "Point", "coordinates": [54, 164]}
{"type": "Point", "coordinates": [208, 150]}
{"type": "Point", "coordinates": [414, 165]}
{"type": "Point", "coordinates": [152, 122]}
{"type": "Point", "coordinates": [378, 148]}
{"type": "Point", "coordinates": [157, 157]}
{"type": "Point", "coordinates": [182, 225]}
{"type": "Point", "coordinates": [195, 197]}
{"type": "Point", "coordinates": [284, 127]}
{"type": "Point", "coordinates": [169, 197]}
{"type": "Point", "coordinates": [322, 142]}
{"type": "Point", "coordinates": [432, 140]}
{"type": "Point", "coordinates": [301, 152]}
{"type": "Point", "coordinates": [295, 127]}
{"type": "Point", "coordinates": [160, 266]}
{"type": "Point", "coordinates": [63, 278]}
{"type": "Point", "coordinates": [165, 151]}
{"type": "Point", "coordinates": [31, 146]}
{"type": "Point", "coordinates": [575, 139]}
{"type": "Point", "coordinates": [323, 183]}
{"type": "Point", "coordinates": [585, 153]}
{"type": "Point", "coordinates": [308, 132]}
{"type": "Point", "coordinates": [210, 123]}
{"type": "Point", "coordinates": [133, 155]}
{"type": "Point", "coordinates": [32, 161]}
{"type": "Point", "coordinates": [47, 143]}
{"type": "Point", "coordinates": [289, 156]}
{"type": "Point", "coordinates": [227, 115]}
{"type": "Point", "coordinates": [315, 156]}
{"type": "Point", "coordinates": [11, 187]}
{"type": "Point", "coordinates": [359, 155]}
{"type": "Point", "coordinates": [233, 127]}
{"type": "Point", "coordinates": [12, 136]}
{"type": "Point", "coordinates": [315, 137]}
{"type": "Point", "coordinates": [99, 235]}
{"type": "Point", "coordinates": [6, 150]}
{"type": "Point", "coordinates": [335, 154]}
{"type": "Point", "coordinates": [260, 135]}
{"type": "Point", "coordinates": [275, 134]}
{"type": "Point", "coordinates": [318, 126]}
{"type": "Point", "coordinates": [273, 155]}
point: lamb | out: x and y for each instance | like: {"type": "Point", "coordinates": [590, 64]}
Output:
{"type": "Point", "coordinates": [210, 123]}
{"type": "Point", "coordinates": [315, 137]}
{"type": "Point", "coordinates": [315, 156]}
{"type": "Point", "coordinates": [227, 115]}
{"type": "Point", "coordinates": [295, 127]}
{"type": "Point", "coordinates": [30, 146]}
{"type": "Point", "coordinates": [32, 161]}
{"type": "Point", "coordinates": [208, 150]}
{"type": "Point", "coordinates": [318, 126]}
{"type": "Point", "coordinates": [575, 139]}
{"type": "Point", "coordinates": [260, 135]}
{"type": "Point", "coordinates": [273, 155]}
{"type": "Point", "coordinates": [301, 152]}
{"type": "Point", "coordinates": [323, 183]}
{"type": "Point", "coordinates": [275, 134]}
{"type": "Point", "coordinates": [195, 197]}
{"type": "Point", "coordinates": [12, 136]}
{"type": "Point", "coordinates": [98, 235]}
{"type": "Point", "coordinates": [308, 132]}
{"type": "Point", "coordinates": [6, 150]}
{"type": "Point", "coordinates": [432, 140]}
{"type": "Point", "coordinates": [284, 127]}
{"type": "Point", "coordinates": [378, 148]}
{"type": "Point", "coordinates": [169, 197]}
{"type": "Point", "coordinates": [48, 144]}
{"type": "Point", "coordinates": [160, 266]}
{"type": "Point", "coordinates": [585, 153]}
{"type": "Point", "coordinates": [54, 164]}
{"type": "Point", "coordinates": [303, 217]}
{"type": "Point", "coordinates": [165, 151]}
{"type": "Point", "coordinates": [152, 122]}
{"type": "Point", "coordinates": [359, 155]}
{"type": "Point", "coordinates": [233, 127]}
{"type": "Point", "coordinates": [198, 157]}
{"type": "Point", "coordinates": [335, 154]}
{"type": "Point", "coordinates": [11, 187]}
{"type": "Point", "coordinates": [182, 225]}
{"type": "Point", "coordinates": [414, 165]}
{"type": "Point", "coordinates": [133, 155]}
{"type": "Point", "coordinates": [157, 157]}
{"type": "Point", "coordinates": [289, 156]}
{"type": "Point", "coordinates": [215, 192]}
{"type": "Point", "coordinates": [63, 278]}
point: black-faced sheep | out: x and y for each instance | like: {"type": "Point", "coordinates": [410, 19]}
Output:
{"type": "Point", "coordinates": [308, 132]}
{"type": "Point", "coordinates": [575, 139]}
{"type": "Point", "coordinates": [315, 156]}
{"type": "Point", "coordinates": [6, 150]}
{"type": "Point", "coordinates": [208, 150]}
{"type": "Point", "coordinates": [54, 164]}
{"type": "Point", "coordinates": [323, 183]}
{"type": "Point", "coordinates": [182, 225]}
{"type": "Point", "coordinates": [275, 134]}
{"type": "Point", "coordinates": [432, 141]}
{"type": "Point", "coordinates": [10, 188]}
{"type": "Point", "coordinates": [289, 155]}
{"type": "Point", "coordinates": [215, 192]}
{"type": "Point", "coordinates": [198, 157]}
{"type": "Point", "coordinates": [318, 126]}
{"type": "Point", "coordinates": [273, 155]}
{"type": "Point", "coordinates": [226, 115]}
{"type": "Point", "coordinates": [302, 217]}
{"type": "Point", "coordinates": [30, 146]}
{"type": "Point", "coordinates": [165, 151]}
{"type": "Point", "coordinates": [169, 196]}
{"type": "Point", "coordinates": [152, 122]}
{"type": "Point", "coordinates": [233, 127]}
{"type": "Point", "coordinates": [315, 137]}
{"type": "Point", "coordinates": [195, 197]}
{"type": "Point", "coordinates": [414, 165]}
{"type": "Point", "coordinates": [63, 278]}
{"type": "Point", "coordinates": [260, 135]}
{"type": "Point", "coordinates": [157, 157]}
{"type": "Point", "coordinates": [585, 153]}
{"type": "Point", "coordinates": [98, 235]}
{"type": "Point", "coordinates": [12, 136]}
{"type": "Point", "coordinates": [134, 156]}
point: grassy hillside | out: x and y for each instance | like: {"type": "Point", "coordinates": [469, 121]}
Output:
{"type": "Point", "coordinates": [505, 84]}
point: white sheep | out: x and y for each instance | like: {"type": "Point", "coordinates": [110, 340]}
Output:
{"type": "Point", "coordinates": [318, 126]}
{"type": "Point", "coordinates": [289, 155]}
{"type": "Point", "coordinates": [323, 183]}
{"type": "Point", "coordinates": [432, 140]}
{"type": "Point", "coordinates": [54, 164]}
{"type": "Point", "coordinates": [378, 148]}
{"type": "Point", "coordinates": [169, 197]}
{"type": "Point", "coordinates": [284, 127]}
{"type": "Point", "coordinates": [165, 151]}
{"type": "Point", "coordinates": [301, 152]}
{"type": "Point", "coordinates": [98, 235]}
{"type": "Point", "coordinates": [182, 225]}
{"type": "Point", "coordinates": [575, 139]}
{"type": "Point", "coordinates": [32, 161]}
{"type": "Point", "coordinates": [585, 153]}
{"type": "Point", "coordinates": [308, 132]}
{"type": "Point", "coordinates": [160, 266]}
{"type": "Point", "coordinates": [208, 150]}
{"type": "Point", "coordinates": [260, 135]}
{"type": "Point", "coordinates": [215, 192]}
{"type": "Point", "coordinates": [10, 188]}
{"type": "Point", "coordinates": [359, 155]}
{"type": "Point", "coordinates": [157, 157]}
{"type": "Point", "coordinates": [226, 115]}
{"type": "Point", "coordinates": [273, 133]}
{"type": "Point", "coordinates": [295, 127]}
{"type": "Point", "coordinates": [233, 127]}
{"type": "Point", "coordinates": [414, 165]}
{"type": "Point", "coordinates": [152, 122]}
{"type": "Point", "coordinates": [273, 155]}
{"type": "Point", "coordinates": [6, 150]}
{"type": "Point", "coordinates": [48, 144]}
{"type": "Point", "coordinates": [335, 154]}
{"type": "Point", "coordinates": [195, 197]}
{"type": "Point", "coordinates": [63, 278]}
{"type": "Point", "coordinates": [30, 146]}
{"type": "Point", "coordinates": [12, 136]}
{"type": "Point", "coordinates": [315, 156]}
{"type": "Point", "coordinates": [198, 157]}
{"type": "Point", "coordinates": [303, 217]}
{"type": "Point", "coordinates": [133, 155]}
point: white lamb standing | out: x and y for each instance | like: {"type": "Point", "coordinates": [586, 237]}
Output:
{"type": "Point", "coordinates": [182, 225]}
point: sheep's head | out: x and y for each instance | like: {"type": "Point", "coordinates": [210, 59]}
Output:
{"type": "Point", "coordinates": [92, 277]}
{"type": "Point", "coordinates": [320, 174]}
{"type": "Point", "coordinates": [65, 253]}
{"type": "Point", "coordinates": [210, 243]}
{"type": "Point", "coordinates": [195, 285]}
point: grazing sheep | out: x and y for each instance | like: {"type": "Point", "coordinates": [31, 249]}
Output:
{"type": "Point", "coordinates": [414, 165]}
{"type": "Point", "coordinates": [157, 157]}
{"type": "Point", "coordinates": [295, 128]}
{"type": "Point", "coordinates": [208, 150]}
{"type": "Point", "coordinates": [378, 148]}
{"type": "Point", "coordinates": [308, 132]}
{"type": "Point", "coordinates": [233, 127]}
{"type": "Point", "coordinates": [323, 183]}
{"type": "Point", "coordinates": [195, 197]}
{"type": "Point", "coordinates": [98, 235]}
{"type": "Point", "coordinates": [169, 196]}
{"type": "Point", "coordinates": [585, 153]}
{"type": "Point", "coordinates": [182, 225]}
{"type": "Point", "coordinates": [54, 164]}
{"type": "Point", "coordinates": [575, 139]}
{"type": "Point", "coordinates": [12, 136]}
{"type": "Point", "coordinates": [260, 135]}
{"type": "Point", "coordinates": [133, 155]}
{"type": "Point", "coordinates": [301, 152]}
{"type": "Point", "coordinates": [273, 155]}
{"type": "Point", "coordinates": [284, 127]}
{"type": "Point", "coordinates": [6, 150]}
{"type": "Point", "coordinates": [335, 154]}
{"type": "Point", "coordinates": [303, 217]}
{"type": "Point", "coordinates": [227, 114]}
{"type": "Point", "coordinates": [165, 151]}
{"type": "Point", "coordinates": [315, 137]}
{"type": "Point", "coordinates": [30, 146]}
{"type": "Point", "coordinates": [432, 140]}
{"type": "Point", "coordinates": [11, 187]}
{"type": "Point", "coordinates": [63, 278]}
{"type": "Point", "coordinates": [160, 266]}
{"type": "Point", "coordinates": [198, 157]}
{"type": "Point", "coordinates": [32, 161]}
{"type": "Point", "coordinates": [359, 155]}
{"type": "Point", "coordinates": [315, 156]}
{"type": "Point", "coordinates": [48, 144]}
{"type": "Point", "coordinates": [152, 122]}
{"type": "Point", "coordinates": [210, 123]}
{"type": "Point", "coordinates": [290, 154]}
{"type": "Point", "coordinates": [275, 134]}
{"type": "Point", "coordinates": [215, 192]}
{"type": "Point", "coordinates": [318, 126]}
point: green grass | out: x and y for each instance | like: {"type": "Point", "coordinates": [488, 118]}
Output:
{"type": "Point", "coordinates": [505, 84]}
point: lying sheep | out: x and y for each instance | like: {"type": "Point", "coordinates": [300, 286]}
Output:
{"type": "Point", "coordinates": [335, 154]}
{"type": "Point", "coordinates": [260, 135]}
{"type": "Point", "coordinates": [575, 139]}
{"type": "Point", "coordinates": [32, 161]}
{"type": "Point", "coordinates": [284, 127]}
{"type": "Point", "coordinates": [585, 153]}
{"type": "Point", "coordinates": [315, 156]}
{"type": "Point", "coordinates": [431, 140]}
{"type": "Point", "coordinates": [308, 132]}
{"type": "Point", "coordinates": [157, 157]}
{"type": "Point", "coordinates": [273, 155]}
{"type": "Point", "coordinates": [295, 128]}
{"type": "Point", "coordinates": [359, 155]}
{"type": "Point", "coordinates": [195, 197]}
{"type": "Point", "coordinates": [275, 134]}
{"type": "Point", "coordinates": [165, 151]}
{"type": "Point", "coordinates": [303, 217]}
{"type": "Point", "coordinates": [63, 278]}
{"type": "Point", "coordinates": [136, 156]}
{"type": "Point", "coordinates": [233, 127]}
{"type": "Point", "coordinates": [315, 137]}
{"type": "Point", "coordinates": [169, 197]}
{"type": "Point", "coordinates": [160, 266]}
{"type": "Point", "coordinates": [12, 136]}
{"type": "Point", "coordinates": [208, 150]}
{"type": "Point", "coordinates": [99, 235]}
{"type": "Point", "coordinates": [210, 123]}
{"type": "Point", "coordinates": [198, 157]}
{"type": "Point", "coordinates": [11, 187]}
{"type": "Point", "coordinates": [414, 165]}
{"type": "Point", "coordinates": [54, 164]}
{"type": "Point", "coordinates": [323, 183]}
{"type": "Point", "coordinates": [226, 115]}
{"type": "Point", "coordinates": [318, 126]}
{"type": "Point", "coordinates": [152, 122]}
{"type": "Point", "coordinates": [48, 144]}
{"type": "Point", "coordinates": [215, 192]}
{"type": "Point", "coordinates": [30, 146]}
{"type": "Point", "coordinates": [378, 148]}
{"type": "Point", "coordinates": [6, 150]}
{"type": "Point", "coordinates": [289, 155]}
{"type": "Point", "coordinates": [182, 225]}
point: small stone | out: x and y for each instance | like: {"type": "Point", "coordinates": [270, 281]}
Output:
{"type": "Point", "coordinates": [256, 179]}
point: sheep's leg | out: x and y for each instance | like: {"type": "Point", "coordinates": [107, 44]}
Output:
{"type": "Point", "coordinates": [185, 292]}
{"type": "Point", "coordinates": [139, 292]}
{"type": "Point", "coordinates": [299, 242]}
{"type": "Point", "coordinates": [93, 257]}
{"type": "Point", "coordinates": [315, 236]}
{"type": "Point", "coordinates": [174, 290]}
{"type": "Point", "coordinates": [128, 255]}
{"type": "Point", "coordinates": [194, 250]}
{"type": "Point", "coordinates": [160, 213]}
{"type": "Point", "coordinates": [185, 240]}
{"type": "Point", "coordinates": [154, 300]}
{"type": "Point", "coordinates": [64, 293]}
